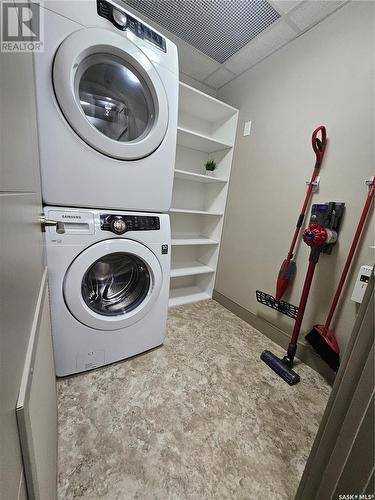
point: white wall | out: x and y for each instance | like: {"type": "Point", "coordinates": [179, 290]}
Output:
{"type": "Point", "coordinates": [326, 76]}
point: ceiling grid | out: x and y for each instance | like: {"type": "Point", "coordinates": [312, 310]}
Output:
{"type": "Point", "coordinates": [220, 39]}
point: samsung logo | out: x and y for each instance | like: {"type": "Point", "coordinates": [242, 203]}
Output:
{"type": "Point", "coordinates": [71, 217]}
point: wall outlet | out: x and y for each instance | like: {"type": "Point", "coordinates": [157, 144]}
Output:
{"type": "Point", "coordinates": [247, 128]}
{"type": "Point", "coordinates": [361, 283]}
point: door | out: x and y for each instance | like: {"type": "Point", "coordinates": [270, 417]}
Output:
{"type": "Point", "coordinates": [341, 462]}
{"type": "Point", "coordinates": [24, 309]}
{"type": "Point", "coordinates": [110, 93]}
{"type": "Point", "coordinates": [112, 284]}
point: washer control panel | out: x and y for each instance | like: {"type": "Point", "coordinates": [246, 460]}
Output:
{"type": "Point", "coordinates": [120, 224]}
{"type": "Point", "coordinates": [124, 21]}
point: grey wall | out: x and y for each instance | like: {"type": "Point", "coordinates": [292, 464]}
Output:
{"type": "Point", "coordinates": [324, 77]}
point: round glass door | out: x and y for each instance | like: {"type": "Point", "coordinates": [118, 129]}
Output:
{"type": "Point", "coordinates": [116, 284]}
{"type": "Point", "coordinates": [112, 284]}
{"type": "Point", "coordinates": [110, 93]}
{"type": "Point", "coordinates": [115, 98]}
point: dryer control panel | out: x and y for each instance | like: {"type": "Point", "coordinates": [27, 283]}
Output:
{"type": "Point", "coordinates": [120, 224]}
{"type": "Point", "coordinates": [124, 21]}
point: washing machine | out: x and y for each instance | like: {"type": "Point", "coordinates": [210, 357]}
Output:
{"type": "Point", "coordinates": [108, 284]}
{"type": "Point", "coordinates": [107, 98]}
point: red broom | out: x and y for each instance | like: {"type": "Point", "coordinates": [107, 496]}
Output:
{"type": "Point", "coordinates": [322, 339]}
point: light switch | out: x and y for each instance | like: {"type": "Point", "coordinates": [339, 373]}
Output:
{"type": "Point", "coordinates": [247, 128]}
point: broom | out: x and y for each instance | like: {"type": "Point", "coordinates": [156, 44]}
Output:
{"type": "Point", "coordinates": [321, 338]}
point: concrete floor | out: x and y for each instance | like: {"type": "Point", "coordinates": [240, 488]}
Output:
{"type": "Point", "coordinates": [199, 418]}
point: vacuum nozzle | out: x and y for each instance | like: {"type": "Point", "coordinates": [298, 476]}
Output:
{"type": "Point", "coordinates": [279, 367]}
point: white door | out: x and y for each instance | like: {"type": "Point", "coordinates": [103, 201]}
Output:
{"type": "Point", "coordinates": [112, 284]}
{"type": "Point", "coordinates": [27, 460]}
{"type": "Point", "coordinates": [110, 93]}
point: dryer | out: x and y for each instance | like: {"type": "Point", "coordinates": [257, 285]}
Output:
{"type": "Point", "coordinates": [109, 285]}
{"type": "Point", "coordinates": [107, 99]}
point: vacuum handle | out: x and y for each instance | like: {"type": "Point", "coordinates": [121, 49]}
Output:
{"type": "Point", "coordinates": [319, 145]}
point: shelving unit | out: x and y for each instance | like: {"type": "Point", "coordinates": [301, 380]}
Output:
{"type": "Point", "coordinates": [190, 269]}
{"type": "Point", "coordinates": [199, 212]}
{"type": "Point", "coordinates": [190, 176]}
{"type": "Point", "coordinates": [181, 239]}
{"type": "Point", "coordinates": [206, 130]}
{"type": "Point", "coordinates": [199, 141]}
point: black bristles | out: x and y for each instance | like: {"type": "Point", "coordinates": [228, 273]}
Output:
{"type": "Point", "coordinates": [315, 339]}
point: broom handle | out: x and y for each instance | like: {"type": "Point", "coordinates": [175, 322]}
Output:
{"type": "Point", "coordinates": [350, 256]}
{"type": "Point", "coordinates": [319, 147]}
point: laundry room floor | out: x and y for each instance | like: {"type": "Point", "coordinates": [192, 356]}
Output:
{"type": "Point", "coordinates": [199, 418]}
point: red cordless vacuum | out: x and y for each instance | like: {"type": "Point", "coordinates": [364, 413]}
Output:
{"type": "Point", "coordinates": [288, 267]}
{"type": "Point", "coordinates": [320, 235]}
{"type": "Point", "coordinates": [322, 339]}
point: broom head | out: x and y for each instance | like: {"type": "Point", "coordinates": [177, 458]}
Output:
{"type": "Point", "coordinates": [325, 344]}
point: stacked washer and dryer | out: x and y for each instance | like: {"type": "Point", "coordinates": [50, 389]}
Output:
{"type": "Point", "coordinates": [107, 98]}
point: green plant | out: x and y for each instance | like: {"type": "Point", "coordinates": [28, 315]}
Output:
{"type": "Point", "coordinates": [210, 165]}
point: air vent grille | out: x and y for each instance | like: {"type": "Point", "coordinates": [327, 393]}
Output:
{"type": "Point", "coordinates": [218, 28]}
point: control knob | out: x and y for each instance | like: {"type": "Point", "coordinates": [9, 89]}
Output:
{"type": "Point", "coordinates": [120, 17]}
{"type": "Point", "coordinates": [118, 226]}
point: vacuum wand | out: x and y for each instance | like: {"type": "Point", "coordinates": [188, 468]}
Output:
{"type": "Point", "coordinates": [292, 348]}
{"type": "Point", "coordinates": [320, 235]}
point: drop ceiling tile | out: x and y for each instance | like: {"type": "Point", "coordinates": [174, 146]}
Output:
{"type": "Point", "coordinates": [285, 5]}
{"type": "Point", "coordinates": [194, 63]}
{"type": "Point", "coordinates": [219, 78]}
{"type": "Point", "coordinates": [313, 11]}
{"type": "Point", "coordinates": [266, 43]}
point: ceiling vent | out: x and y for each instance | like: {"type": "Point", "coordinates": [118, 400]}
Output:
{"type": "Point", "coordinates": [218, 28]}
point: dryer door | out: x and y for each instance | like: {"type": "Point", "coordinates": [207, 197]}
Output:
{"type": "Point", "coordinates": [110, 93]}
{"type": "Point", "coordinates": [112, 284]}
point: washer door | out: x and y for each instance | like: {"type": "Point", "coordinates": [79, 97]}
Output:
{"type": "Point", "coordinates": [112, 284]}
{"type": "Point", "coordinates": [110, 93]}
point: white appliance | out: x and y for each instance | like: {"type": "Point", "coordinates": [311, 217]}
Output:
{"type": "Point", "coordinates": [361, 283]}
{"type": "Point", "coordinates": [109, 284]}
{"type": "Point", "coordinates": [107, 98]}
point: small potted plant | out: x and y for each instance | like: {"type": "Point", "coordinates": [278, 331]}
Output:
{"type": "Point", "coordinates": [210, 167]}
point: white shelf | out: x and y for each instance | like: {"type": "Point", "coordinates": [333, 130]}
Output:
{"type": "Point", "coordinates": [186, 295]}
{"type": "Point", "coordinates": [200, 142]}
{"type": "Point", "coordinates": [182, 240]}
{"type": "Point", "coordinates": [191, 176]}
{"type": "Point", "coordinates": [203, 106]}
{"type": "Point", "coordinates": [206, 131]}
{"type": "Point", "coordinates": [198, 212]}
{"type": "Point", "coordinates": [190, 269]}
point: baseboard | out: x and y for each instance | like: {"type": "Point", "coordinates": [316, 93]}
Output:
{"type": "Point", "coordinates": [305, 352]}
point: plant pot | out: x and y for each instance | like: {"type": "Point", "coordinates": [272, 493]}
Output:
{"type": "Point", "coordinates": [211, 173]}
